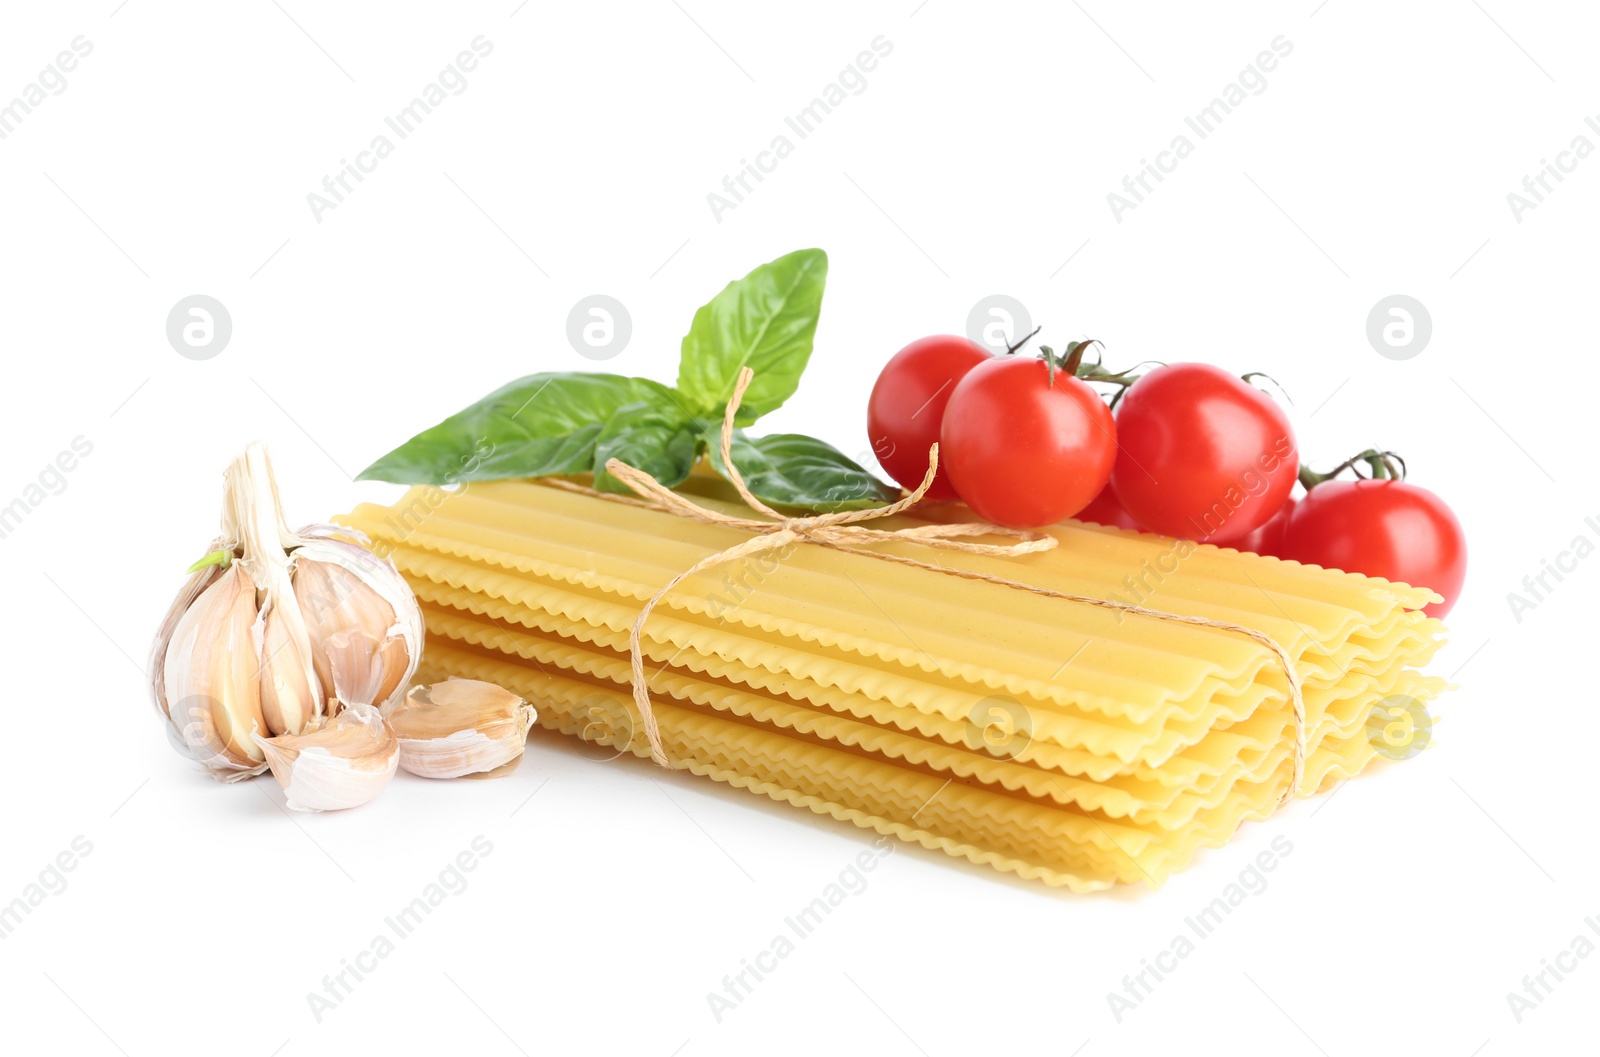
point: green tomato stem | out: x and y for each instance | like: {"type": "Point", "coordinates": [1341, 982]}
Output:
{"type": "Point", "coordinates": [1383, 465]}
{"type": "Point", "coordinates": [1024, 339]}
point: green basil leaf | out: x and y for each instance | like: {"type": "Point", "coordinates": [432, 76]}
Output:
{"type": "Point", "coordinates": [657, 437]}
{"type": "Point", "coordinates": [787, 469]}
{"type": "Point", "coordinates": [765, 321]}
{"type": "Point", "coordinates": [538, 425]}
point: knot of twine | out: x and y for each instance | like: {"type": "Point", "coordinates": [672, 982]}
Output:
{"type": "Point", "coordinates": [842, 530]}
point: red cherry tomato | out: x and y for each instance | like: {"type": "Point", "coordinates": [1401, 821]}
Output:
{"type": "Point", "coordinates": [908, 402]}
{"type": "Point", "coordinates": [1386, 528]}
{"type": "Point", "coordinates": [1268, 538]}
{"type": "Point", "coordinates": [1104, 509]}
{"type": "Point", "coordinates": [1203, 455]}
{"type": "Point", "coordinates": [1024, 452]}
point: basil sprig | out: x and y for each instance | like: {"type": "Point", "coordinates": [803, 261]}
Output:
{"type": "Point", "coordinates": [765, 321]}
{"type": "Point", "coordinates": [572, 423]}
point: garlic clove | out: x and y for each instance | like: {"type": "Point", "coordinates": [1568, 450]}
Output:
{"type": "Point", "coordinates": [351, 656]}
{"type": "Point", "coordinates": [210, 678]}
{"type": "Point", "coordinates": [291, 693]}
{"type": "Point", "coordinates": [339, 763]}
{"type": "Point", "coordinates": [347, 591]}
{"type": "Point", "coordinates": [461, 727]}
{"type": "Point", "coordinates": [192, 588]}
{"type": "Point", "coordinates": [496, 772]}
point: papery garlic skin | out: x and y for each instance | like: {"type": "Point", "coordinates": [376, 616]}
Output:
{"type": "Point", "coordinates": [313, 621]}
{"type": "Point", "coordinates": [340, 763]}
{"type": "Point", "coordinates": [461, 727]}
{"type": "Point", "coordinates": [198, 581]}
{"type": "Point", "coordinates": [291, 693]}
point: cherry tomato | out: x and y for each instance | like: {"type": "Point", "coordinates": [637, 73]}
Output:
{"type": "Point", "coordinates": [908, 402]}
{"type": "Point", "coordinates": [1268, 538]}
{"type": "Point", "coordinates": [1203, 456]}
{"type": "Point", "coordinates": [1104, 509]}
{"type": "Point", "coordinates": [1024, 452]}
{"type": "Point", "coordinates": [1386, 528]}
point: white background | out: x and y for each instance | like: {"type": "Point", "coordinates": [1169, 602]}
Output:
{"type": "Point", "coordinates": [978, 160]}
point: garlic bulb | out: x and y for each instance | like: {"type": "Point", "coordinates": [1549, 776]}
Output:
{"type": "Point", "coordinates": [337, 763]}
{"type": "Point", "coordinates": [278, 631]}
{"type": "Point", "coordinates": [461, 727]}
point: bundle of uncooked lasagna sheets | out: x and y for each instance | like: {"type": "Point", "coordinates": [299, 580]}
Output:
{"type": "Point", "coordinates": [1073, 744]}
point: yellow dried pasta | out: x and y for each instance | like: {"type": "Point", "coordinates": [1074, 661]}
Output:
{"type": "Point", "coordinates": [856, 687]}
{"type": "Point", "coordinates": [510, 597]}
{"type": "Point", "coordinates": [1259, 748]}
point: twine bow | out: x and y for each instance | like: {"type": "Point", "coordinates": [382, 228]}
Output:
{"type": "Point", "coordinates": [842, 530]}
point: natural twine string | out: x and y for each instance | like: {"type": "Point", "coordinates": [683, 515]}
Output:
{"type": "Point", "coordinates": [841, 531]}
